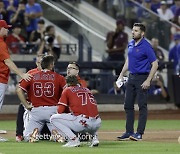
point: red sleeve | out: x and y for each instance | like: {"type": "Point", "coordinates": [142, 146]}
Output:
{"type": "Point", "coordinates": [61, 109]}
{"type": "Point", "coordinates": [9, 40]}
{"type": "Point", "coordinates": [32, 71]}
{"type": "Point", "coordinates": [24, 85]}
{"type": "Point", "coordinates": [63, 101]}
{"type": "Point", "coordinates": [4, 54]}
{"type": "Point", "coordinates": [64, 97]}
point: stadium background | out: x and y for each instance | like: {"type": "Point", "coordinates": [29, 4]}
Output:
{"type": "Point", "coordinates": [83, 26]}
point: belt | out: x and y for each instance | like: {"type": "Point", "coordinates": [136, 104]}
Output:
{"type": "Point", "coordinates": [139, 73]}
{"type": "Point", "coordinates": [45, 106]}
{"type": "Point", "coordinates": [87, 117]}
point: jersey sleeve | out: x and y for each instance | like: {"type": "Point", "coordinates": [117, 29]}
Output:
{"type": "Point", "coordinates": [24, 85]}
{"type": "Point", "coordinates": [4, 54]}
{"type": "Point", "coordinates": [64, 97]}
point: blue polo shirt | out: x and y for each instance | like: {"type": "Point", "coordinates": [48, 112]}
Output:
{"type": "Point", "coordinates": [140, 57]}
{"type": "Point", "coordinates": [174, 55]}
{"type": "Point", "coordinates": [36, 8]}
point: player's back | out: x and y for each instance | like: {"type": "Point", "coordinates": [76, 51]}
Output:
{"type": "Point", "coordinates": [81, 101]}
{"type": "Point", "coordinates": [45, 88]}
{"type": "Point", "coordinates": [33, 71]}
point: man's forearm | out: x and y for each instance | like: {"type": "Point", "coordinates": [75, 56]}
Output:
{"type": "Point", "coordinates": [21, 96]}
{"type": "Point", "coordinates": [110, 42]}
{"type": "Point", "coordinates": [153, 70]}
{"type": "Point", "coordinates": [13, 67]}
{"type": "Point", "coordinates": [125, 68]}
{"type": "Point", "coordinates": [163, 92]}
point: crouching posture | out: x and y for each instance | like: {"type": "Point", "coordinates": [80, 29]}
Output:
{"type": "Point", "coordinates": [43, 91]}
{"type": "Point", "coordinates": [83, 116]}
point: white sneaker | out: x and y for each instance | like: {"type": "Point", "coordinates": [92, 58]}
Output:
{"type": "Point", "coordinates": [3, 132]}
{"type": "Point", "coordinates": [72, 143]}
{"type": "Point", "coordinates": [3, 139]}
{"type": "Point", "coordinates": [94, 142]}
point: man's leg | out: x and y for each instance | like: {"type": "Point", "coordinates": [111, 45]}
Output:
{"type": "Point", "coordinates": [33, 125]}
{"type": "Point", "coordinates": [3, 88]}
{"type": "Point", "coordinates": [20, 123]}
{"type": "Point", "coordinates": [142, 103]}
{"type": "Point", "coordinates": [130, 96]}
{"type": "Point", "coordinates": [94, 124]}
{"type": "Point", "coordinates": [67, 124]}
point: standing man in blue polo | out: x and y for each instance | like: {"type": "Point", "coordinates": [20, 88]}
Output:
{"type": "Point", "coordinates": [142, 65]}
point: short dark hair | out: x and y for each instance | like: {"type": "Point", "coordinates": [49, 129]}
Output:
{"type": "Point", "coordinates": [49, 27]}
{"type": "Point", "coordinates": [75, 63]}
{"type": "Point", "coordinates": [141, 26]}
{"type": "Point", "coordinates": [72, 80]}
{"type": "Point", "coordinates": [41, 21]}
{"type": "Point", "coordinates": [46, 61]}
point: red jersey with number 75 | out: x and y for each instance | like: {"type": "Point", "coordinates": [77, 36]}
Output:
{"type": "Point", "coordinates": [44, 88]}
{"type": "Point", "coordinates": [80, 100]}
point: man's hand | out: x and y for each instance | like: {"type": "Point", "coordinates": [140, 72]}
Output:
{"type": "Point", "coordinates": [26, 76]}
{"type": "Point", "coordinates": [120, 81]}
{"type": "Point", "coordinates": [120, 78]}
{"type": "Point", "coordinates": [146, 84]}
{"type": "Point", "coordinates": [29, 107]}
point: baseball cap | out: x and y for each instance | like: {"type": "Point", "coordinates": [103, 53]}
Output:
{"type": "Point", "coordinates": [4, 24]}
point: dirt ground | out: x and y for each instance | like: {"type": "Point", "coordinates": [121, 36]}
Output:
{"type": "Point", "coordinates": [153, 136]}
{"type": "Point", "coordinates": [155, 114]}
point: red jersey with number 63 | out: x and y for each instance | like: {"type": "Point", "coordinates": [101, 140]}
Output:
{"type": "Point", "coordinates": [44, 88]}
{"type": "Point", "coordinates": [80, 100]}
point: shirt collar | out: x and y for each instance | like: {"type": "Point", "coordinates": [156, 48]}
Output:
{"type": "Point", "coordinates": [45, 70]}
{"type": "Point", "coordinates": [142, 40]}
